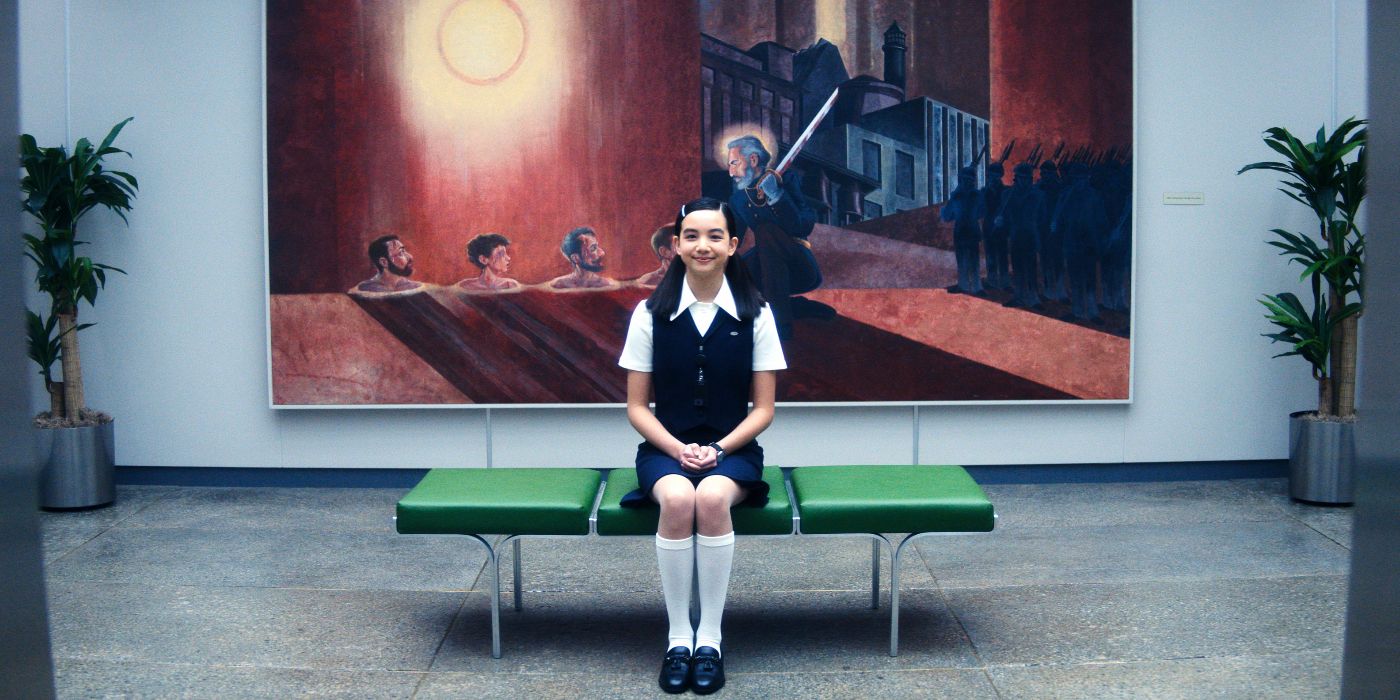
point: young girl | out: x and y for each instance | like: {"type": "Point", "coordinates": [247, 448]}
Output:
{"type": "Point", "coordinates": [706, 342]}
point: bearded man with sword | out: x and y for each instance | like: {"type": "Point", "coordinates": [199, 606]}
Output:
{"type": "Point", "coordinates": [772, 204]}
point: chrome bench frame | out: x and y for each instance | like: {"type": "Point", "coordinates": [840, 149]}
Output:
{"type": "Point", "coordinates": [896, 551]}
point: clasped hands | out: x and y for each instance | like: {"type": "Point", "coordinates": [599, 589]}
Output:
{"type": "Point", "coordinates": [697, 458]}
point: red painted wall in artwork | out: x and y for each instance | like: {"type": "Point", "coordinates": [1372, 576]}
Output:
{"type": "Point", "coordinates": [301, 136]}
{"type": "Point", "coordinates": [1061, 71]}
{"type": "Point", "coordinates": [947, 57]}
{"type": "Point", "coordinates": [344, 165]}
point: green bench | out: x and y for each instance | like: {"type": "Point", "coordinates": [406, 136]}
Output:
{"type": "Point", "coordinates": [839, 501]}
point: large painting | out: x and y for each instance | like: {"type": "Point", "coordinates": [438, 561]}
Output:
{"type": "Point", "coordinates": [466, 198]}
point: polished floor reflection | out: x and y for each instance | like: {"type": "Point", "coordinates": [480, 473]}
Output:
{"type": "Point", "coordinates": [1133, 590]}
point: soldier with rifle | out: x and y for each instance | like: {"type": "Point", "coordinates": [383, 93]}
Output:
{"type": "Point", "coordinates": [1022, 210]}
{"type": "Point", "coordinates": [1052, 253]}
{"type": "Point", "coordinates": [994, 237]}
{"type": "Point", "coordinates": [1082, 220]}
{"type": "Point", "coordinates": [965, 209]}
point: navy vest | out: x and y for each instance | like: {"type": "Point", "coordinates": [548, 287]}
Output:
{"type": "Point", "coordinates": [702, 381]}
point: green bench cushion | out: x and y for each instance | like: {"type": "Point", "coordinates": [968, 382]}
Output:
{"type": "Point", "coordinates": [500, 501]}
{"type": "Point", "coordinates": [846, 499]}
{"type": "Point", "coordinates": [772, 519]}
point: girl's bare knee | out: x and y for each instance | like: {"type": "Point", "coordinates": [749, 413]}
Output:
{"type": "Point", "coordinates": [676, 496]}
{"type": "Point", "coordinates": [713, 499]}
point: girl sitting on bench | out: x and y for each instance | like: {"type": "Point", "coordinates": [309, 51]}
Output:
{"type": "Point", "coordinates": [706, 343]}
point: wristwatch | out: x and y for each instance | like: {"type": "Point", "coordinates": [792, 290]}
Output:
{"type": "Point", "coordinates": [719, 452]}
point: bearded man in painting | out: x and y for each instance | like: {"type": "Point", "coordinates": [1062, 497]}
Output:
{"type": "Point", "coordinates": [582, 249]}
{"type": "Point", "coordinates": [393, 267]}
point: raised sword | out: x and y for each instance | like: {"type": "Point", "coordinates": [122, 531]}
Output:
{"type": "Point", "coordinates": [772, 179]}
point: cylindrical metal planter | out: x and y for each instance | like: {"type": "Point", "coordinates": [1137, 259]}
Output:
{"type": "Point", "coordinates": [1321, 460]}
{"type": "Point", "coordinates": [80, 467]}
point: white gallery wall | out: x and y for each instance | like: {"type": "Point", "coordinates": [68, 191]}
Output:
{"type": "Point", "coordinates": [179, 352]}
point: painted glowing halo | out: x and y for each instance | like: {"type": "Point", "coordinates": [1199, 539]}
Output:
{"type": "Point", "coordinates": [734, 131]}
{"type": "Point", "coordinates": [483, 42]}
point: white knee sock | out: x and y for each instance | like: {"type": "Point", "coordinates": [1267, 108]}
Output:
{"type": "Point", "coordinates": [714, 559]}
{"type": "Point", "coordinates": [677, 561]}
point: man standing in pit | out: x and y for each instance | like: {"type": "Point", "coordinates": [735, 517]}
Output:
{"type": "Point", "coordinates": [393, 266]}
{"type": "Point", "coordinates": [490, 252]}
{"type": "Point", "coordinates": [583, 251]}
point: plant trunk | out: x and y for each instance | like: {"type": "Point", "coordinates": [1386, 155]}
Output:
{"type": "Point", "coordinates": [55, 398]}
{"type": "Point", "coordinates": [1334, 353]}
{"type": "Point", "coordinates": [1324, 396]}
{"type": "Point", "coordinates": [1344, 367]}
{"type": "Point", "coordinates": [72, 368]}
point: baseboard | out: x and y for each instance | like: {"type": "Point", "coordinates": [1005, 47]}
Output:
{"type": "Point", "coordinates": [984, 474]}
{"type": "Point", "coordinates": [269, 476]}
{"type": "Point", "coordinates": [1132, 471]}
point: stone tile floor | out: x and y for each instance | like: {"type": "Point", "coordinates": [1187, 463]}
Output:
{"type": "Point", "coordinates": [1220, 589]}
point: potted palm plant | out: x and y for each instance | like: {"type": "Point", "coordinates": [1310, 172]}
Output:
{"type": "Point", "coordinates": [1322, 328]}
{"type": "Point", "coordinates": [59, 189]}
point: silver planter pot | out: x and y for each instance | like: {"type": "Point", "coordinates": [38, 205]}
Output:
{"type": "Point", "coordinates": [79, 469]}
{"type": "Point", "coordinates": [1321, 460]}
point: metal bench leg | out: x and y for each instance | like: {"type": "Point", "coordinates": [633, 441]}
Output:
{"type": "Point", "coordinates": [495, 565]}
{"type": "Point", "coordinates": [519, 601]}
{"type": "Point", "coordinates": [894, 592]}
{"type": "Point", "coordinates": [875, 574]}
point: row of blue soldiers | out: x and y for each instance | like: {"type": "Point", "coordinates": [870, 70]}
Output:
{"type": "Point", "coordinates": [1066, 236]}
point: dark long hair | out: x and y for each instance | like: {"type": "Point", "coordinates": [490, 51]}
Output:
{"type": "Point", "coordinates": [667, 295]}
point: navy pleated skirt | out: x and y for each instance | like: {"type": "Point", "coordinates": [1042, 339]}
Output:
{"type": "Point", "coordinates": [744, 466]}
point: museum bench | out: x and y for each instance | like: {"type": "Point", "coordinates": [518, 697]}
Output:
{"type": "Point", "coordinates": [861, 501]}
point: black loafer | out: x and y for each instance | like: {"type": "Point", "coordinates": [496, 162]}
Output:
{"type": "Point", "coordinates": [706, 671]}
{"type": "Point", "coordinates": [675, 670]}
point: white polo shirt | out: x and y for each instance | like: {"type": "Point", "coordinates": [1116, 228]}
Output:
{"type": "Point", "coordinates": [767, 350]}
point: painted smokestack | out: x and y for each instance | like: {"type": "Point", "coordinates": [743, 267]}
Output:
{"type": "Point", "coordinates": [896, 45]}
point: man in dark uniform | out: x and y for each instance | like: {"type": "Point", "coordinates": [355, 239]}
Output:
{"type": "Point", "coordinates": [1117, 250]}
{"type": "Point", "coordinates": [1052, 253]}
{"type": "Point", "coordinates": [1022, 210]}
{"type": "Point", "coordinates": [781, 259]}
{"type": "Point", "coordinates": [964, 208]}
{"type": "Point", "coordinates": [994, 235]}
{"type": "Point", "coordinates": [1117, 256]}
{"type": "Point", "coordinates": [1082, 219]}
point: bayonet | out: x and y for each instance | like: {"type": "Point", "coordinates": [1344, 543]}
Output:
{"type": "Point", "coordinates": [1006, 152]}
{"type": "Point", "coordinates": [1034, 157]}
{"type": "Point", "coordinates": [978, 159]}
